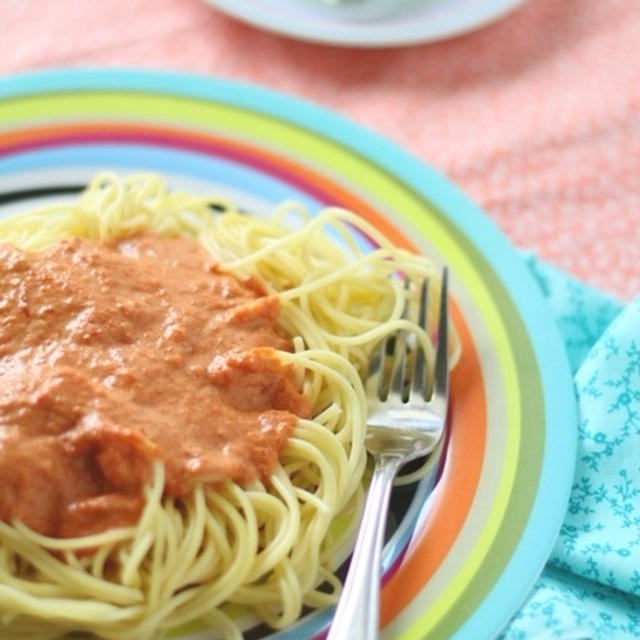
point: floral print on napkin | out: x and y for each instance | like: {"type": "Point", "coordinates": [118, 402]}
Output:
{"type": "Point", "coordinates": [590, 589]}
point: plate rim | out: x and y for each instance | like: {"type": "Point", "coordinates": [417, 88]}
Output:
{"type": "Point", "coordinates": [368, 33]}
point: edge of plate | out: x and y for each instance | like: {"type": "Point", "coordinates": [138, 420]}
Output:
{"type": "Point", "coordinates": [364, 33]}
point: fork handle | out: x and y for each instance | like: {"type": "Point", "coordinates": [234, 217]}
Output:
{"type": "Point", "coordinates": [357, 616]}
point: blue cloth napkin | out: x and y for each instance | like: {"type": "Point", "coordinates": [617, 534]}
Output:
{"type": "Point", "coordinates": [590, 588]}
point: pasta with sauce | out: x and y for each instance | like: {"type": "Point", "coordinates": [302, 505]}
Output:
{"type": "Point", "coordinates": [222, 549]}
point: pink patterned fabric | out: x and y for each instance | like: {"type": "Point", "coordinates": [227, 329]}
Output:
{"type": "Point", "coordinates": [536, 117]}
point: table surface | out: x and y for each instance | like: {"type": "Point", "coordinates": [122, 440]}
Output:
{"type": "Point", "coordinates": [536, 117]}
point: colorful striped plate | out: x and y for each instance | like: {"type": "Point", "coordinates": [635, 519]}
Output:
{"type": "Point", "coordinates": [462, 558]}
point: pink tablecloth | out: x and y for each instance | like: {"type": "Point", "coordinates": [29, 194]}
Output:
{"type": "Point", "coordinates": [536, 117]}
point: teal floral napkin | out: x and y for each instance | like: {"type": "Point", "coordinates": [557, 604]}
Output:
{"type": "Point", "coordinates": [590, 588]}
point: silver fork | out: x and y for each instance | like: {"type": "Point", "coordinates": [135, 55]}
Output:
{"type": "Point", "coordinates": [408, 423]}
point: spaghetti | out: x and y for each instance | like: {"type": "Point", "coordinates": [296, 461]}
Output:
{"type": "Point", "coordinates": [264, 549]}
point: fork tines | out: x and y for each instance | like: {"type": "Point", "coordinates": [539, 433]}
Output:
{"type": "Point", "coordinates": [401, 372]}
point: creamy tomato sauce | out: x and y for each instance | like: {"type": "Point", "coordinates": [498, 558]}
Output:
{"type": "Point", "coordinates": [114, 356]}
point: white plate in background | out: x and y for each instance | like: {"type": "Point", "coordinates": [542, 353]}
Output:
{"type": "Point", "coordinates": [366, 25]}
